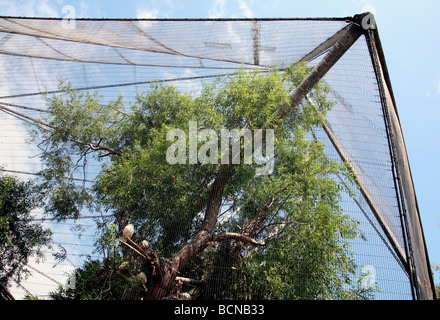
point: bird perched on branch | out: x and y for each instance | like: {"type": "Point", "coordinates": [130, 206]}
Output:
{"type": "Point", "coordinates": [144, 244]}
{"type": "Point", "coordinates": [123, 266]}
{"type": "Point", "coordinates": [142, 277]}
{"type": "Point", "coordinates": [128, 231]}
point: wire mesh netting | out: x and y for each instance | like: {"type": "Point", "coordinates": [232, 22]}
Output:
{"type": "Point", "coordinates": [125, 57]}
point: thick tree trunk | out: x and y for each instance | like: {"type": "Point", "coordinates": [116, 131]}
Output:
{"type": "Point", "coordinates": [169, 269]}
{"type": "Point", "coordinates": [162, 281]}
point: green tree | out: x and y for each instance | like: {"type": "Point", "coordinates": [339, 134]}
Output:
{"type": "Point", "coordinates": [20, 237]}
{"type": "Point", "coordinates": [281, 235]}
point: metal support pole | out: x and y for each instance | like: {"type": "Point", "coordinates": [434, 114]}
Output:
{"type": "Point", "coordinates": [318, 72]}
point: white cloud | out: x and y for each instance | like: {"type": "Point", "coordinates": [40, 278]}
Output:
{"type": "Point", "coordinates": [438, 84]}
{"type": "Point", "coordinates": [48, 8]}
{"type": "Point", "coordinates": [44, 9]}
{"type": "Point", "coordinates": [366, 6]}
{"type": "Point", "coordinates": [143, 13]}
{"type": "Point", "coordinates": [83, 10]}
{"type": "Point", "coordinates": [435, 89]}
{"type": "Point", "coordinates": [369, 8]}
{"type": "Point", "coordinates": [153, 9]}
{"type": "Point", "coordinates": [32, 8]}
{"type": "Point", "coordinates": [247, 13]}
{"type": "Point", "coordinates": [218, 9]}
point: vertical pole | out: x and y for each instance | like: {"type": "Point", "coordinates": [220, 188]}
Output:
{"type": "Point", "coordinates": [421, 277]}
{"type": "Point", "coordinates": [256, 42]}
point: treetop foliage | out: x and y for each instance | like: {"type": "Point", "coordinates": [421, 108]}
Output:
{"type": "Point", "coordinates": [20, 237]}
{"type": "Point", "coordinates": [295, 211]}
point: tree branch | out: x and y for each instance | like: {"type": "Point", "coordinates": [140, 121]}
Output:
{"type": "Point", "coordinates": [201, 239]}
{"type": "Point", "coordinates": [135, 250]}
{"type": "Point", "coordinates": [250, 227]}
{"type": "Point", "coordinates": [237, 237]}
{"type": "Point", "coordinates": [233, 214]}
{"type": "Point", "coordinates": [99, 148]}
{"type": "Point", "coordinates": [191, 282]}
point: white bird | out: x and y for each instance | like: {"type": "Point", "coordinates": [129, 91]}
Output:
{"type": "Point", "coordinates": [128, 231]}
{"type": "Point", "coordinates": [144, 244]}
{"type": "Point", "coordinates": [123, 266]}
{"type": "Point", "coordinates": [142, 277]}
{"type": "Point", "coordinates": [185, 296]}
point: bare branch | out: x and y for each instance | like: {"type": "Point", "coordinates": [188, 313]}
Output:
{"type": "Point", "coordinates": [192, 282]}
{"type": "Point", "coordinates": [237, 237]}
{"type": "Point", "coordinates": [135, 250]}
{"type": "Point", "coordinates": [233, 214]}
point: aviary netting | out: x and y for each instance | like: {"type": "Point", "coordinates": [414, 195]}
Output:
{"type": "Point", "coordinates": [125, 57]}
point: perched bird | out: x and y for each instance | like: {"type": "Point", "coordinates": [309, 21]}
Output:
{"type": "Point", "coordinates": [123, 266]}
{"type": "Point", "coordinates": [142, 277]}
{"type": "Point", "coordinates": [185, 296]}
{"type": "Point", "coordinates": [144, 244]}
{"type": "Point", "coordinates": [128, 231]}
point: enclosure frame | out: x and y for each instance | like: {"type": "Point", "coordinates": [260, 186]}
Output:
{"type": "Point", "coordinates": [413, 255]}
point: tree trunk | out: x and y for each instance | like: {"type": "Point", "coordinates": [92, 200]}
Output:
{"type": "Point", "coordinates": [162, 281]}
{"type": "Point", "coordinates": [169, 269]}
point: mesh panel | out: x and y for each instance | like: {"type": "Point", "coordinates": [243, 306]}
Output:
{"type": "Point", "coordinates": [123, 57]}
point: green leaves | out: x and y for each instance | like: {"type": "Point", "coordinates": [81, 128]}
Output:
{"type": "Point", "coordinates": [295, 210]}
{"type": "Point", "coordinates": [20, 237]}
{"type": "Point", "coordinates": [248, 98]}
{"type": "Point", "coordinates": [80, 118]}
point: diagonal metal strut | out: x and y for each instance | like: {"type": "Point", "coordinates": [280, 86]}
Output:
{"type": "Point", "coordinates": [344, 43]}
{"type": "Point", "coordinates": [341, 44]}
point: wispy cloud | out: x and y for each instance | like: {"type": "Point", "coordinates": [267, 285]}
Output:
{"type": "Point", "coordinates": [42, 8]}
{"type": "Point", "coordinates": [435, 89]}
{"type": "Point", "coordinates": [83, 10]}
{"type": "Point", "coordinates": [218, 9]}
{"type": "Point", "coordinates": [143, 13]}
{"type": "Point", "coordinates": [438, 83]}
{"type": "Point", "coordinates": [247, 13]}
{"type": "Point", "coordinates": [365, 5]}
{"type": "Point", "coordinates": [153, 9]}
{"type": "Point", "coordinates": [222, 9]}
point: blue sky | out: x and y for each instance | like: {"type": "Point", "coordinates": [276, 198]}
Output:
{"type": "Point", "coordinates": [408, 33]}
